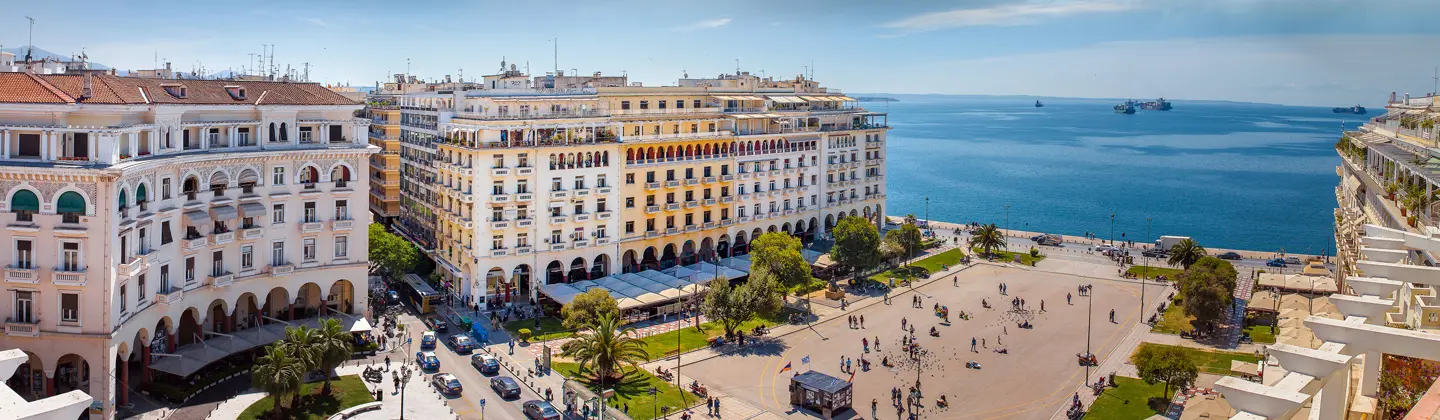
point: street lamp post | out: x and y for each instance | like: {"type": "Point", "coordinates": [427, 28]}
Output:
{"type": "Point", "coordinates": [1006, 240]}
{"type": "Point", "coordinates": [927, 216]}
{"type": "Point", "coordinates": [1089, 316]}
{"type": "Point", "coordinates": [1112, 228]}
{"type": "Point", "coordinates": [1145, 271]}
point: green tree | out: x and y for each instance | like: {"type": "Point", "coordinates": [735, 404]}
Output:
{"type": "Point", "coordinates": [988, 238]}
{"type": "Point", "coordinates": [335, 347]}
{"type": "Point", "coordinates": [277, 374]}
{"type": "Point", "coordinates": [857, 245]}
{"type": "Point", "coordinates": [587, 308]}
{"type": "Point", "coordinates": [1185, 253]}
{"type": "Point", "coordinates": [606, 349]}
{"type": "Point", "coordinates": [1164, 364]}
{"type": "Point", "coordinates": [777, 255]}
{"type": "Point", "coordinates": [733, 305]}
{"type": "Point", "coordinates": [892, 247]}
{"type": "Point", "coordinates": [389, 253]}
{"type": "Point", "coordinates": [303, 345]}
{"type": "Point", "coordinates": [910, 238]}
{"type": "Point", "coordinates": [1415, 199]}
{"type": "Point", "coordinates": [1207, 287]}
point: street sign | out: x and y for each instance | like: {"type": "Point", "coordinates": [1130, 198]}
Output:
{"type": "Point", "coordinates": [482, 402]}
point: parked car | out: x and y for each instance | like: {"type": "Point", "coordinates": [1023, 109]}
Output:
{"type": "Point", "coordinates": [462, 343]}
{"type": "Point", "coordinates": [427, 360]}
{"type": "Point", "coordinates": [505, 387]}
{"type": "Point", "coordinates": [1154, 253]}
{"type": "Point", "coordinates": [1275, 263]}
{"type": "Point", "coordinates": [427, 340]}
{"type": "Point", "coordinates": [1232, 255]}
{"type": "Point", "coordinates": [392, 297]}
{"type": "Point", "coordinates": [540, 410]}
{"type": "Point", "coordinates": [437, 324]}
{"type": "Point", "coordinates": [1292, 260]}
{"type": "Point", "coordinates": [485, 363]}
{"type": "Point", "coordinates": [446, 384]}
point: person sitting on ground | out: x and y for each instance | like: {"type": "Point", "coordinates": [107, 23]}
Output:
{"type": "Point", "coordinates": [942, 402]}
{"type": "Point", "coordinates": [934, 332]}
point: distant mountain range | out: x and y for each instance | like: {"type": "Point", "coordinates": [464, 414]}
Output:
{"type": "Point", "coordinates": [41, 54]}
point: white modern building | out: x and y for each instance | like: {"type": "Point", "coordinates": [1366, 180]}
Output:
{"type": "Point", "coordinates": [158, 226]}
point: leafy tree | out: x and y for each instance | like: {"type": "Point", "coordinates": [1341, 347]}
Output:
{"type": "Point", "coordinates": [335, 347]}
{"type": "Point", "coordinates": [1165, 364]}
{"type": "Point", "coordinates": [857, 244]}
{"type": "Point", "coordinates": [910, 219]}
{"type": "Point", "coordinates": [1186, 252]}
{"type": "Point", "coordinates": [277, 374]}
{"type": "Point", "coordinates": [1208, 287]}
{"type": "Point", "coordinates": [733, 305]}
{"type": "Point", "coordinates": [588, 307]}
{"type": "Point", "coordinates": [892, 247]}
{"type": "Point", "coordinates": [777, 255]}
{"type": "Point", "coordinates": [988, 238]}
{"type": "Point", "coordinates": [390, 253]}
{"type": "Point", "coordinates": [606, 349]}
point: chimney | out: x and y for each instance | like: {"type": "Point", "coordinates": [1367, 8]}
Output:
{"type": "Point", "coordinates": [86, 90]}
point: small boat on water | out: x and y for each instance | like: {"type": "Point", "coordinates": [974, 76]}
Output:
{"type": "Point", "coordinates": [1038, 104]}
{"type": "Point", "coordinates": [1126, 108]}
{"type": "Point", "coordinates": [1357, 109]}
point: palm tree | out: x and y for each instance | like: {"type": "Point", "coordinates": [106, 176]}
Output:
{"type": "Point", "coordinates": [606, 349]}
{"type": "Point", "coordinates": [302, 345]}
{"type": "Point", "coordinates": [335, 348]}
{"type": "Point", "coordinates": [1416, 198]}
{"type": "Point", "coordinates": [988, 238]}
{"type": "Point", "coordinates": [1186, 252]}
{"type": "Point", "coordinates": [277, 374]}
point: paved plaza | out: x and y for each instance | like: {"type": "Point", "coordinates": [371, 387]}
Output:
{"type": "Point", "coordinates": [1038, 375]}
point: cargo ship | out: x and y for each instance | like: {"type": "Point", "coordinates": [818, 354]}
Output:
{"type": "Point", "coordinates": [1156, 105]}
{"type": "Point", "coordinates": [1357, 109]}
{"type": "Point", "coordinates": [1126, 108]}
{"type": "Point", "coordinates": [1038, 104]}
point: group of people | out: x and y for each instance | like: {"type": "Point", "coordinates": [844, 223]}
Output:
{"type": "Point", "coordinates": [857, 322]}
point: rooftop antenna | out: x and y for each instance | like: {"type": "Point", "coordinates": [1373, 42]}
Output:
{"type": "Point", "coordinates": [306, 77]}
{"type": "Point", "coordinates": [30, 52]}
{"type": "Point", "coordinates": [737, 67]}
{"type": "Point", "coordinates": [252, 64]}
{"type": "Point", "coordinates": [1435, 88]}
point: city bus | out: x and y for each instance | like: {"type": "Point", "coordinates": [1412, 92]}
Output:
{"type": "Point", "coordinates": [419, 294]}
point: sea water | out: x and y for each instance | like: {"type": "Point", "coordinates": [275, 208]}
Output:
{"type": "Point", "coordinates": [1230, 175]}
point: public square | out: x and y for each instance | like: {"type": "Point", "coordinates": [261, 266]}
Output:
{"type": "Point", "coordinates": [1039, 373]}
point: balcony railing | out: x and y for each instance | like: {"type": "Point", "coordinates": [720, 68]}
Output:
{"type": "Point", "coordinates": [341, 225]}
{"type": "Point", "coordinates": [174, 295]}
{"type": "Point", "coordinates": [224, 238]}
{"type": "Point", "coordinates": [312, 227]}
{"type": "Point", "coordinates": [68, 278]}
{"type": "Point", "coordinates": [252, 233]}
{"type": "Point", "coordinates": [222, 280]}
{"type": "Point", "coordinates": [22, 329]}
{"type": "Point", "coordinates": [131, 268]}
{"type": "Point", "coordinates": [196, 243]}
{"type": "Point", "coordinates": [21, 275]}
{"type": "Point", "coordinates": [281, 270]}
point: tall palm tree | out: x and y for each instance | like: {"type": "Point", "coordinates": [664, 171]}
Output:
{"type": "Point", "coordinates": [988, 238]}
{"type": "Point", "coordinates": [302, 345]}
{"type": "Point", "coordinates": [606, 349]}
{"type": "Point", "coordinates": [1416, 198]}
{"type": "Point", "coordinates": [334, 348]}
{"type": "Point", "coordinates": [277, 374]}
{"type": "Point", "coordinates": [1186, 252]}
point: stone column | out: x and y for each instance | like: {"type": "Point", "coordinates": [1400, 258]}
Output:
{"type": "Point", "coordinates": [49, 383]}
{"type": "Point", "coordinates": [170, 346]}
{"type": "Point", "coordinates": [1370, 375]}
{"type": "Point", "coordinates": [124, 390]}
{"type": "Point", "coordinates": [92, 147]}
{"type": "Point", "coordinates": [145, 360]}
{"type": "Point", "coordinates": [205, 137]}
{"type": "Point", "coordinates": [292, 312]}
{"type": "Point", "coordinates": [5, 146]}
{"type": "Point", "coordinates": [1332, 397]}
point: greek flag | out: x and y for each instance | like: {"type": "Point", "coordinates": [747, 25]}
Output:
{"type": "Point", "coordinates": [805, 360]}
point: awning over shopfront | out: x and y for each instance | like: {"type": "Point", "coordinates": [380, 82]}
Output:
{"type": "Point", "coordinates": [191, 358]}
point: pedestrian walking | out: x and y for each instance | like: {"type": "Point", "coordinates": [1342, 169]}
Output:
{"type": "Point", "coordinates": [982, 344]}
{"type": "Point", "coordinates": [972, 345]}
{"type": "Point", "coordinates": [862, 322]}
{"type": "Point", "coordinates": [877, 343]}
{"type": "Point", "coordinates": [1067, 299]}
{"type": "Point", "coordinates": [717, 406]}
{"type": "Point", "coordinates": [874, 405]}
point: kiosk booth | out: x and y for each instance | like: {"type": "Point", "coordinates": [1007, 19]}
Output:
{"type": "Point", "coordinates": [823, 393]}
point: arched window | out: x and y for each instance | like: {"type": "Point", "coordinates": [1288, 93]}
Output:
{"type": "Point", "coordinates": [340, 175]}
{"type": "Point", "coordinates": [309, 176]}
{"type": "Point", "coordinates": [284, 134]}
{"type": "Point", "coordinates": [190, 187]}
{"type": "Point", "coordinates": [123, 196]}
{"type": "Point", "coordinates": [605, 158]}
{"type": "Point", "coordinates": [272, 132]}
{"type": "Point", "coordinates": [141, 196]}
{"type": "Point", "coordinates": [24, 204]}
{"type": "Point", "coordinates": [70, 205]}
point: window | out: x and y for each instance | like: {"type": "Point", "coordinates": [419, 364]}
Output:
{"type": "Point", "coordinates": [309, 214]}
{"type": "Point", "coordinates": [24, 253]}
{"type": "Point", "coordinates": [600, 205]}
{"type": "Point", "coordinates": [629, 227]}
{"type": "Point", "coordinates": [724, 169]}
{"type": "Point", "coordinates": [624, 104]}
{"type": "Point", "coordinates": [600, 181]}
{"type": "Point", "coordinates": [705, 217]}
{"type": "Point", "coordinates": [689, 219]}
{"type": "Point", "coordinates": [279, 178]}
{"type": "Point", "coordinates": [662, 104]}
{"type": "Point", "coordinates": [649, 225]}
{"type": "Point", "coordinates": [123, 299]}
{"type": "Point", "coordinates": [308, 249]}
{"type": "Point", "coordinates": [342, 247]}
{"type": "Point", "coordinates": [69, 256]}
{"type": "Point", "coordinates": [670, 175]}
{"type": "Point", "coordinates": [165, 236]}
{"type": "Point", "coordinates": [342, 211]}
{"type": "Point", "coordinates": [522, 240]}
{"type": "Point", "coordinates": [497, 242]}
{"type": "Point", "coordinates": [497, 188]}
{"type": "Point", "coordinates": [164, 278]}
{"type": "Point", "coordinates": [217, 264]}
{"type": "Point", "coordinates": [644, 104]}
{"type": "Point", "coordinates": [696, 104]}
{"type": "Point", "coordinates": [724, 191]}
{"type": "Point", "coordinates": [629, 202]}
{"type": "Point", "coordinates": [724, 214]}
{"type": "Point", "coordinates": [689, 173]}
{"type": "Point", "coordinates": [278, 213]}
{"type": "Point", "coordinates": [679, 104]}
{"type": "Point", "coordinates": [247, 257]}
{"type": "Point", "coordinates": [277, 253]}
{"type": "Point", "coordinates": [522, 187]}
{"type": "Point", "coordinates": [69, 307]}
{"type": "Point", "coordinates": [629, 179]}
{"type": "Point", "coordinates": [669, 222]}
{"type": "Point", "coordinates": [189, 270]}
{"type": "Point", "coordinates": [579, 182]}
{"type": "Point", "coordinates": [165, 189]}
{"type": "Point", "coordinates": [555, 237]}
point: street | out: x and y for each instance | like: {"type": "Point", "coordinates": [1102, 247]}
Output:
{"type": "Point", "coordinates": [475, 385]}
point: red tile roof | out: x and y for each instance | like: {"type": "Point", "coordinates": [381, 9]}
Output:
{"type": "Point", "coordinates": [107, 89]}
{"type": "Point", "coordinates": [27, 88]}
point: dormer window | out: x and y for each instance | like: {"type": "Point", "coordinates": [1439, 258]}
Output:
{"type": "Point", "coordinates": [236, 92]}
{"type": "Point", "coordinates": [175, 90]}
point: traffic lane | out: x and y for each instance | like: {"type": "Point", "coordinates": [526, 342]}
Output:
{"type": "Point", "coordinates": [476, 386]}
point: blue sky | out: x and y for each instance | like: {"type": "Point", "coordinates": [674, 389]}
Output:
{"type": "Point", "coordinates": [1313, 52]}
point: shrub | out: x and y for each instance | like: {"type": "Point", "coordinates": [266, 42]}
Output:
{"type": "Point", "coordinates": [524, 334]}
{"type": "Point", "coordinates": [1034, 252]}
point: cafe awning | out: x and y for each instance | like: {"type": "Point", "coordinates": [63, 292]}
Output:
{"type": "Point", "coordinates": [253, 209]}
{"type": "Point", "coordinates": [223, 213]}
{"type": "Point", "coordinates": [189, 359]}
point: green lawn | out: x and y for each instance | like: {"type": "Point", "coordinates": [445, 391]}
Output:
{"type": "Point", "coordinates": [633, 390]}
{"type": "Point", "coordinates": [346, 392]}
{"type": "Point", "coordinates": [1129, 401]}
{"type": "Point", "coordinates": [1008, 256]}
{"type": "Point", "coordinates": [929, 264]}
{"type": "Point", "coordinates": [1174, 320]}
{"type": "Point", "coordinates": [691, 338]}
{"type": "Point", "coordinates": [1260, 334]}
{"type": "Point", "coordinates": [1151, 271]}
{"type": "Point", "coordinates": [1211, 361]}
{"type": "Point", "coordinates": [550, 329]}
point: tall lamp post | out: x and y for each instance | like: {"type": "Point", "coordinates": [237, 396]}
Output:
{"type": "Point", "coordinates": [1112, 229]}
{"type": "Point", "coordinates": [1089, 316]}
{"type": "Point", "coordinates": [1005, 242]}
{"type": "Point", "coordinates": [927, 216]}
{"type": "Point", "coordinates": [1146, 270]}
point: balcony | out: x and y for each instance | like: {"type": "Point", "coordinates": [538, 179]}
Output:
{"type": "Point", "coordinates": [525, 170]}
{"type": "Point", "coordinates": [710, 225]}
{"type": "Point", "coordinates": [582, 217]}
{"type": "Point", "coordinates": [672, 231]}
{"type": "Point", "coordinates": [467, 197]}
{"type": "Point", "coordinates": [580, 193]}
{"type": "Point", "coordinates": [708, 180]}
{"type": "Point", "coordinates": [524, 197]}
{"type": "Point", "coordinates": [652, 234]}
{"type": "Point", "coordinates": [68, 278]}
{"type": "Point", "coordinates": [341, 225]}
{"type": "Point", "coordinates": [223, 238]}
{"type": "Point", "coordinates": [22, 329]}
{"type": "Point", "coordinates": [602, 241]}
{"type": "Point", "coordinates": [672, 184]}
{"type": "Point", "coordinates": [692, 204]}
{"type": "Point", "coordinates": [727, 199]}
{"type": "Point", "coordinates": [557, 247]}
{"type": "Point", "coordinates": [603, 215]}
{"type": "Point", "coordinates": [128, 269]}
{"type": "Point", "coordinates": [672, 206]}
{"type": "Point", "coordinates": [524, 222]}
{"type": "Point", "coordinates": [523, 250]}
{"type": "Point", "coordinates": [21, 275]}
{"type": "Point", "coordinates": [652, 209]}
{"type": "Point", "coordinates": [499, 224]}
{"type": "Point", "coordinates": [602, 191]}
{"type": "Point", "coordinates": [559, 195]}
{"type": "Point", "coordinates": [692, 228]}
{"type": "Point", "coordinates": [196, 243]}
{"type": "Point", "coordinates": [222, 280]}
{"type": "Point", "coordinates": [175, 295]}
{"type": "Point", "coordinates": [281, 270]}
{"type": "Point", "coordinates": [582, 243]}
{"type": "Point", "coordinates": [252, 233]}
{"type": "Point", "coordinates": [744, 176]}
{"type": "Point", "coordinates": [312, 227]}
{"type": "Point", "coordinates": [499, 172]}
{"type": "Point", "coordinates": [692, 181]}
{"type": "Point", "coordinates": [652, 185]}
{"type": "Point", "coordinates": [727, 178]}
{"type": "Point", "coordinates": [499, 252]}
{"type": "Point", "coordinates": [555, 220]}
{"type": "Point", "coordinates": [760, 216]}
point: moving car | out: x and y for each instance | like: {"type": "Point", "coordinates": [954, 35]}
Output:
{"type": "Point", "coordinates": [1275, 263]}
{"type": "Point", "coordinates": [1153, 253]}
{"type": "Point", "coordinates": [437, 324]}
{"type": "Point", "coordinates": [485, 363]}
{"type": "Point", "coordinates": [1232, 255]}
{"type": "Point", "coordinates": [1292, 260]}
{"type": "Point", "coordinates": [462, 343]}
{"type": "Point", "coordinates": [446, 384]}
{"type": "Point", "coordinates": [540, 410]}
{"type": "Point", "coordinates": [392, 297]}
{"type": "Point", "coordinates": [427, 360]}
{"type": "Point", "coordinates": [505, 387]}
{"type": "Point", "coordinates": [427, 340]}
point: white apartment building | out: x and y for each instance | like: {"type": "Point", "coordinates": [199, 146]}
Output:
{"type": "Point", "coordinates": [156, 226]}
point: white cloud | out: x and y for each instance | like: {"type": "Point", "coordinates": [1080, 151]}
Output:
{"type": "Point", "coordinates": [1007, 14]}
{"type": "Point", "coordinates": [706, 24]}
{"type": "Point", "coordinates": [320, 22]}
